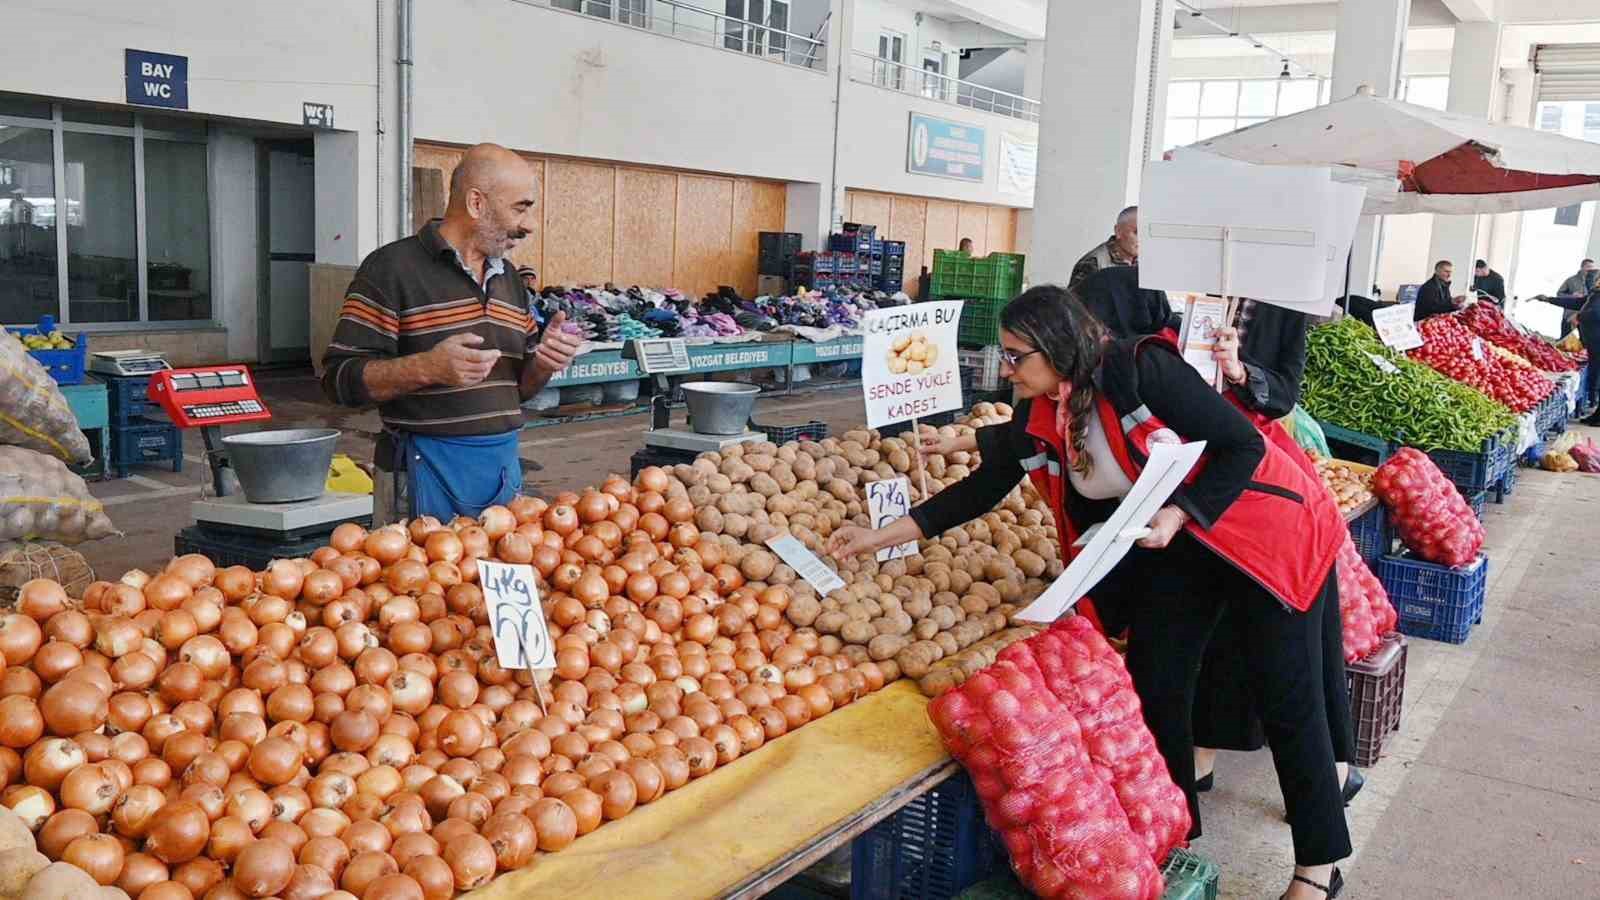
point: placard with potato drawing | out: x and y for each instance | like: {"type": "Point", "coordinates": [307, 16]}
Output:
{"type": "Point", "coordinates": [908, 362]}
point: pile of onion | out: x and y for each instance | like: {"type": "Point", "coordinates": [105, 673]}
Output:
{"type": "Point", "coordinates": [339, 726]}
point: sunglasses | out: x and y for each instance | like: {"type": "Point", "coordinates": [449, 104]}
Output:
{"type": "Point", "coordinates": [1012, 358]}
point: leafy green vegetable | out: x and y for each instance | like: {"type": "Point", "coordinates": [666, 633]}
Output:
{"type": "Point", "coordinates": [1353, 381]}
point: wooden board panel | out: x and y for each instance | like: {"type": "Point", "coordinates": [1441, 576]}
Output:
{"type": "Point", "coordinates": [579, 205]}
{"type": "Point", "coordinates": [757, 206]}
{"type": "Point", "coordinates": [703, 236]}
{"type": "Point", "coordinates": [867, 208]}
{"type": "Point", "coordinates": [428, 195]}
{"type": "Point", "coordinates": [908, 221]}
{"type": "Point", "coordinates": [941, 232]}
{"type": "Point", "coordinates": [328, 285]}
{"type": "Point", "coordinates": [973, 222]}
{"type": "Point", "coordinates": [1002, 229]}
{"type": "Point", "coordinates": [646, 206]}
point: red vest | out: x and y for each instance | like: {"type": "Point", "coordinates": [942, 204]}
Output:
{"type": "Point", "coordinates": [1284, 499]}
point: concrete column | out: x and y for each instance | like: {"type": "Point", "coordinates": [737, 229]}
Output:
{"type": "Point", "coordinates": [1093, 142]}
{"type": "Point", "coordinates": [1474, 91]}
{"type": "Point", "coordinates": [1368, 40]}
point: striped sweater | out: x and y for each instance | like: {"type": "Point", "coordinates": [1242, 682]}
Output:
{"type": "Point", "coordinates": [406, 298]}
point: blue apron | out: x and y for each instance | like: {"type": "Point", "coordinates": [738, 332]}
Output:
{"type": "Point", "coordinates": [459, 476]}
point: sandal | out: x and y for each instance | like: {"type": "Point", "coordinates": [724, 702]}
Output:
{"type": "Point", "coordinates": [1330, 890]}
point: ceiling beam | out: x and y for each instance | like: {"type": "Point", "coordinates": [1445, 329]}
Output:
{"type": "Point", "coordinates": [1472, 10]}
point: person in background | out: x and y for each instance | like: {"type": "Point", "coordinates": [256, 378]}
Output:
{"type": "Point", "coordinates": [1574, 287]}
{"type": "Point", "coordinates": [1091, 412]}
{"type": "Point", "coordinates": [1113, 296]}
{"type": "Point", "coordinates": [1433, 298]}
{"type": "Point", "coordinates": [1121, 249]}
{"type": "Point", "coordinates": [435, 330]}
{"type": "Point", "coordinates": [965, 246]}
{"type": "Point", "coordinates": [1584, 308]}
{"type": "Point", "coordinates": [530, 281]}
{"type": "Point", "coordinates": [1262, 359]}
{"type": "Point", "coordinates": [1488, 282]}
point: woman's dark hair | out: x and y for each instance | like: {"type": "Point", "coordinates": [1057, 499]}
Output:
{"type": "Point", "coordinates": [1056, 323]}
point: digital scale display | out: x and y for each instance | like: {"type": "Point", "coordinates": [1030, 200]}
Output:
{"type": "Point", "coordinates": [216, 395]}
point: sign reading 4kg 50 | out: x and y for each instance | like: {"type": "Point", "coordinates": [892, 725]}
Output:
{"type": "Point", "coordinates": [157, 79]}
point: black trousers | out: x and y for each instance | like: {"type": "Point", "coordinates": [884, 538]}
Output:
{"type": "Point", "coordinates": [1590, 335]}
{"type": "Point", "coordinates": [1188, 592]}
{"type": "Point", "coordinates": [1225, 717]}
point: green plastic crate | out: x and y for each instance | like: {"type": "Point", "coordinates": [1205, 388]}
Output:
{"type": "Point", "coordinates": [980, 322]}
{"type": "Point", "coordinates": [997, 276]}
{"type": "Point", "coordinates": [1190, 876]}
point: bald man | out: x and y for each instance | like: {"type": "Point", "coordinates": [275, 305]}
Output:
{"type": "Point", "coordinates": [435, 330]}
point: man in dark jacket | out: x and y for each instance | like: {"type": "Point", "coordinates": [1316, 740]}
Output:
{"type": "Point", "coordinates": [1488, 283]}
{"type": "Point", "coordinates": [1114, 297]}
{"type": "Point", "coordinates": [1434, 298]}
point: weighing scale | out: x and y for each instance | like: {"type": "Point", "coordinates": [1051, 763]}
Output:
{"type": "Point", "coordinates": [209, 397]}
{"type": "Point", "coordinates": [658, 358]}
{"type": "Point", "coordinates": [127, 363]}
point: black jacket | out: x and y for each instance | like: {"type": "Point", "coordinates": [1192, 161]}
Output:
{"type": "Point", "coordinates": [1274, 357]}
{"type": "Point", "coordinates": [1491, 284]}
{"type": "Point", "coordinates": [1433, 299]}
{"type": "Point", "coordinates": [1114, 297]}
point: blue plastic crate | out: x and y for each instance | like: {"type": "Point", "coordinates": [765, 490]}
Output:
{"type": "Point", "coordinates": [143, 443]}
{"type": "Point", "coordinates": [1435, 602]}
{"type": "Point", "coordinates": [1370, 532]}
{"type": "Point", "coordinates": [65, 366]}
{"type": "Point", "coordinates": [1471, 473]}
{"type": "Point", "coordinates": [933, 848]}
{"type": "Point", "coordinates": [894, 248]}
{"type": "Point", "coordinates": [128, 399]}
{"type": "Point", "coordinates": [1508, 483]}
{"type": "Point", "coordinates": [1478, 502]}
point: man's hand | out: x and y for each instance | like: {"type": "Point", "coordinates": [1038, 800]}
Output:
{"type": "Point", "coordinates": [456, 361]}
{"type": "Point", "coordinates": [851, 541]}
{"type": "Point", "coordinates": [556, 347]}
{"type": "Point", "coordinates": [1227, 355]}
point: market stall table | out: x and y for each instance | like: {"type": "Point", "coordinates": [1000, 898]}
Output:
{"type": "Point", "coordinates": [753, 824]}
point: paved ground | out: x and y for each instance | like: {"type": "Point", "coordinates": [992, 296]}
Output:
{"type": "Point", "coordinates": [1490, 790]}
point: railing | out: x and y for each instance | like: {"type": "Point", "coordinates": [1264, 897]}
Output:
{"type": "Point", "coordinates": [869, 69]}
{"type": "Point", "coordinates": [702, 26]}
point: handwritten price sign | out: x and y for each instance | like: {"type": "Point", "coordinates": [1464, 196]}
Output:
{"type": "Point", "coordinates": [521, 637]}
{"type": "Point", "coordinates": [887, 501]}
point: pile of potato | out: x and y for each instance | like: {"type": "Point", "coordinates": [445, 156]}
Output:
{"type": "Point", "coordinates": [960, 588]}
{"type": "Point", "coordinates": [1351, 485]}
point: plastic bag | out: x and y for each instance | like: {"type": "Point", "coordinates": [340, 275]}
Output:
{"type": "Point", "coordinates": [1586, 455]}
{"type": "Point", "coordinates": [1427, 510]}
{"type": "Point", "coordinates": [33, 413]}
{"type": "Point", "coordinates": [41, 499]}
{"type": "Point", "coordinates": [1307, 433]}
{"type": "Point", "coordinates": [1061, 821]}
{"type": "Point", "coordinates": [1364, 607]}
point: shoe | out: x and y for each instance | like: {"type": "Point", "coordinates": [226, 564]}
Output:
{"type": "Point", "coordinates": [1202, 785]}
{"type": "Point", "coordinates": [1330, 890]}
{"type": "Point", "coordinates": [1354, 781]}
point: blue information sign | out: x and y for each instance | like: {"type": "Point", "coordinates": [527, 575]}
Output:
{"type": "Point", "coordinates": [157, 79]}
{"type": "Point", "coordinates": [944, 149]}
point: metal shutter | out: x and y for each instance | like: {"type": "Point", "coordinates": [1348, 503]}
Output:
{"type": "Point", "coordinates": [1567, 71]}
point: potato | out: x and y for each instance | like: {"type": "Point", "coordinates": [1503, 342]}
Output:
{"type": "Point", "coordinates": [803, 609]}
{"type": "Point", "coordinates": [719, 483]}
{"type": "Point", "coordinates": [17, 866]}
{"type": "Point", "coordinates": [757, 565]}
{"type": "Point", "coordinates": [830, 645]}
{"type": "Point", "coordinates": [858, 631]}
{"type": "Point", "coordinates": [974, 605]}
{"type": "Point", "coordinates": [917, 606]}
{"type": "Point", "coordinates": [947, 643]}
{"type": "Point", "coordinates": [735, 525]}
{"type": "Point", "coordinates": [709, 518]}
{"type": "Point", "coordinates": [60, 881]}
{"type": "Point", "coordinates": [967, 633]}
{"type": "Point", "coordinates": [784, 476]}
{"type": "Point", "coordinates": [761, 532]}
{"type": "Point", "coordinates": [14, 833]}
{"type": "Point", "coordinates": [760, 462]}
{"type": "Point", "coordinates": [831, 622]}
{"type": "Point", "coordinates": [885, 646]}
{"type": "Point", "coordinates": [925, 629]}
{"type": "Point", "coordinates": [940, 681]}
{"type": "Point", "coordinates": [915, 660]}
{"type": "Point", "coordinates": [945, 616]}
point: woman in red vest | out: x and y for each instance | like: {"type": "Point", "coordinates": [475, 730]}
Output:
{"type": "Point", "coordinates": [1249, 533]}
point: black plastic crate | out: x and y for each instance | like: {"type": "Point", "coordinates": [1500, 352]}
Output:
{"type": "Point", "coordinates": [145, 442]}
{"type": "Point", "coordinates": [783, 434]}
{"type": "Point", "coordinates": [128, 399]}
{"type": "Point", "coordinates": [932, 848]}
{"type": "Point", "coordinates": [1478, 502]}
{"type": "Point", "coordinates": [241, 550]}
{"type": "Point", "coordinates": [664, 457]}
{"type": "Point", "coordinates": [1433, 601]}
{"type": "Point", "coordinates": [1377, 695]}
{"type": "Point", "coordinates": [1357, 447]}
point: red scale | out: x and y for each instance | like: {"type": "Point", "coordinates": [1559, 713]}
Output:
{"type": "Point", "coordinates": [208, 396]}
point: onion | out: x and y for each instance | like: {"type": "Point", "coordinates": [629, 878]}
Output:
{"type": "Point", "coordinates": [180, 832]}
{"type": "Point", "coordinates": [100, 855]}
{"type": "Point", "coordinates": [513, 839]}
{"type": "Point", "coordinates": [90, 788]}
{"type": "Point", "coordinates": [471, 859]}
{"type": "Point", "coordinates": [433, 875]}
{"type": "Point", "coordinates": [62, 828]}
{"type": "Point", "coordinates": [364, 869]}
{"type": "Point", "coordinates": [555, 822]}
{"type": "Point", "coordinates": [308, 882]}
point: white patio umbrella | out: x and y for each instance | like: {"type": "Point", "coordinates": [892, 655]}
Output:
{"type": "Point", "coordinates": [1413, 159]}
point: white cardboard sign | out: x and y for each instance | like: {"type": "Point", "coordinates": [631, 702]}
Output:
{"type": "Point", "coordinates": [521, 636]}
{"type": "Point", "coordinates": [805, 564]}
{"type": "Point", "coordinates": [887, 501]}
{"type": "Point", "coordinates": [1165, 470]}
{"type": "Point", "coordinates": [908, 361]}
{"type": "Point", "coordinates": [1396, 327]}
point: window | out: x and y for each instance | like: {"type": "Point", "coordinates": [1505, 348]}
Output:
{"type": "Point", "coordinates": [1432, 91]}
{"type": "Point", "coordinates": [891, 50]}
{"type": "Point", "coordinates": [1591, 122]}
{"type": "Point", "coordinates": [118, 231]}
{"type": "Point", "coordinates": [1198, 110]}
{"type": "Point", "coordinates": [932, 84]}
{"type": "Point", "coordinates": [1550, 117]}
{"type": "Point", "coordinates": [752, 33]}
